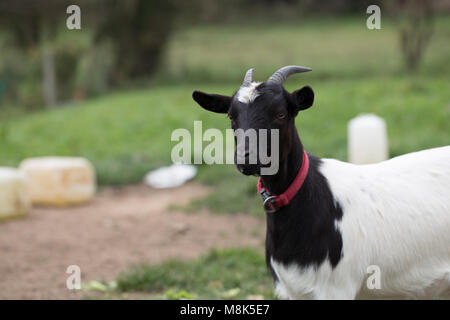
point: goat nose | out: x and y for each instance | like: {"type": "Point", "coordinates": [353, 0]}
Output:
{"type": "Point", "coordinates": [243, 153]}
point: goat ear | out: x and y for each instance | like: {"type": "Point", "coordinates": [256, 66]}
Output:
{"type": "Point", "coordinates": [212, 102]}
{"type": "Point", "coordinates": [303, 98]}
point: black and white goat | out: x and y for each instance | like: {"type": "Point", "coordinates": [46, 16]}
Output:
{"type": "Point", "coordinates": [343, 218]}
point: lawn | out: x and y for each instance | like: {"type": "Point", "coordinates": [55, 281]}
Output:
{"type": "Point", "coordinates": [355, 71]}
{"type": "Point", "coordinates": [336, 48]}
{"type": "Point", "coordinates": [127, 133]}
{"type": "Point", "coordinates": [220, 274]}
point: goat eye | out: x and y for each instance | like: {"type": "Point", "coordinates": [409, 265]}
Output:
{"type": "Point", "coordinates": [281, 115]}
{"type": "Point", "coordinates": [230, 117]}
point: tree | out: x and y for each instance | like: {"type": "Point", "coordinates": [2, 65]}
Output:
{"type": "Point", "coordinates": [416, 29]}
{"type": "Point", "coordinates": [138, 31]}
{"type": "Point", "coordinates": [33, 25]}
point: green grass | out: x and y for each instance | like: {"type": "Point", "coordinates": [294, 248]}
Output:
{"type": "Point", "coordinates": [417, 113]}
{"type": "Point", "coordinates": [333, 47]}
{"type": "Point", "coordinates": [220, 274]}
{"type": "Point", "coordinates": [356, 70]}
{"type": "Point", "coordinates": [126, 134]}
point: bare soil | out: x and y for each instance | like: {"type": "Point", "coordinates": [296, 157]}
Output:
{"type": "Point", "coordinates": [121, 227]}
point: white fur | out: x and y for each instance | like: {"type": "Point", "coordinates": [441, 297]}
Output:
{"type": "Point", "coordinates": [396, 215]}
{"type": "Point", "coordinates": [248, 94]}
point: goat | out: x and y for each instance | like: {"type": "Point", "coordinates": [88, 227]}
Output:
{"type": "Point", "coordinates": [340, 219]}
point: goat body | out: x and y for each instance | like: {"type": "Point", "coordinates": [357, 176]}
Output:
{"type": "Point", "coordinates": [346, 221]}
{"type": "Point", "coordinates": [394, 215]}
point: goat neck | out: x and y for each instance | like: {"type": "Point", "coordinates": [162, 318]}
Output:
{"type": "Point", "coordinates": [289, 166]}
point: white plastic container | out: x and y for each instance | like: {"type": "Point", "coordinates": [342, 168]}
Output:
{"type": "Point", "coordinates": [14, 193]}
{"type": "Point", "coordinates": [367, 139]}
{"type": "Point", "coordinates": [59, 181]}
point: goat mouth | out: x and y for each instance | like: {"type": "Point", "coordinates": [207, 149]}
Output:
{"type": "Point", "coordinates": [248, 170]}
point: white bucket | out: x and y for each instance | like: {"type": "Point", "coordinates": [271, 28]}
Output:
{"type": "Point", "coordinates": [367, 139]}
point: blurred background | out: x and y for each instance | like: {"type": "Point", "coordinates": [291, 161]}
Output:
{"type": "Point", "coordinates": [114, 90]}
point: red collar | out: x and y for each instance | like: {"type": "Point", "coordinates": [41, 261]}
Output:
{"type": "Point", "coordinates": [273, 203]}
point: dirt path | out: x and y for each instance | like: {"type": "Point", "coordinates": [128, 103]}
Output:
{"type": "Point", "coordinates": [119, 228]}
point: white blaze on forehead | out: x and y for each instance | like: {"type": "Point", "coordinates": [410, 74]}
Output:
{"type": "Point", "coordinates": [248, 94]}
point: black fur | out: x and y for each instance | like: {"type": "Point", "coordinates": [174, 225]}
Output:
{"type": "Point", "coordinates": [212, 102]}
{"type": "Point", "coordinates": [304, 231]}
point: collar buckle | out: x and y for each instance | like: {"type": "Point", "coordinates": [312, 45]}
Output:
{"type": "Point", "coordinates": [269, 204]}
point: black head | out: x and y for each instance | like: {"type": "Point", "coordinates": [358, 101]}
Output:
{"type": "Point", "coordinates": [257, 106]}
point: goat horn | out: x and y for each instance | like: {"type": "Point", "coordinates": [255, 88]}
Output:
{"type": "Point", "coordinates": [248, 79]}
{"type": "Point", "coordinates": [281, 75]}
